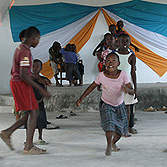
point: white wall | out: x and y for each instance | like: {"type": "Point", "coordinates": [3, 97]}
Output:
{"type": "Point", "coordinates": [7, 47]}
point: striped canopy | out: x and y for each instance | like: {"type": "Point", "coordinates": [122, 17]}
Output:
{"type": "Point", "coordinates": [145, 22]}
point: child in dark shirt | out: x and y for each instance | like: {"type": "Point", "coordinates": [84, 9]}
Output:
{"type": "Point", "coordinates": [79, 65]}
{"type": "Point", "coordinates": [41, 120]}
{"type": "Point", "coordinates": [72, 72]}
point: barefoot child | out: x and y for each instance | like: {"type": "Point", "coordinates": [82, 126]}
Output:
{"type": "Point", "coordinates": [21, 86]}
{"type": "Point", "coordinates": [112, 108]}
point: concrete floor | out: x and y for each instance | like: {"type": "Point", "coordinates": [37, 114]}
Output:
{"type": "Point", "coordinates": [80, 142]}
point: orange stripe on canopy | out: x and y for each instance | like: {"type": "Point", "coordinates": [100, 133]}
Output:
{"type": "Point", "coordinates": [79, 40]}
{"type": "Point", "coordinates": [154, 61]}
{"type": "Point", "coordinates": [47, 70]}
{"type": "Point", "coordinates": [84, 35]}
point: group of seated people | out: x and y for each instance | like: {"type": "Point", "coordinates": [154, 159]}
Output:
{"type": "Point", "coordinates": [69, 61]}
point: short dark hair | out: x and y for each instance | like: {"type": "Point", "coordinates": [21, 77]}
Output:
{"type": "Point", "coordinates": [38, 61]}
{"type": "Point", "coordinates": [56, 45]}
{"type": "Point", "coordinates": [120, 21]}
{"type": "Point", "coordinates": [22, 34]}
{"type": "Point", "coordinates": [112, 25]}
{"type": "Point", "coordinates": [107, 34]}
{"type": "Point", "coordinates": [31, 31]}
{"type": "Point", "coordinates": [123, 35]}
{"type": "Point", "coordinates": [113, 53]}
{"type": "Point", "coordinates": [68, 47]}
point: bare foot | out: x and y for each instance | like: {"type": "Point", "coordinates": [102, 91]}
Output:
{"type": "Point", "coordinates": [115, 148]}
{"type": "Point", "coordinates": [6, 138]}
{"type": "Point", "coordinates": [127, 135]}
{"type": "Point", "coordinates": [108, 150]}
{"type": "Point", "coordinates": [5, 133]}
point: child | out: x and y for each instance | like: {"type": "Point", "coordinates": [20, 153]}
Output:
{"type": "Point", "coordinates": [102, 45]}
{"type": "Point", "coordinates": [79, 65]}
{"type": "Point", "coordinates": [41, 120]}
{"type": "Point", "coordinates": [72, 72]}
{"type": "Point", "coordinates": [55, 59]}
{"type": "Point", "coordinates": [128, 64]}
{"type": "Point", "coordinates": [100, 64]}
{"type": "Point", "coordinates": [112, 108]}
{"type": "Point", "coordinates": [110, 41]}
{"type": "Point", "coordinates": [119, 31]}
{"type": "Point", "coordinates": [21, 86]}
{"type": "Point", "coordinates": [112, 29]}
{"type": "Point", "coordinates": [21, 37]}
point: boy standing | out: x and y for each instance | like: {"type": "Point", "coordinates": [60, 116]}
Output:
{"type": "Point", "coordinates": [21, 86]}
{"type": "Point", "coordinates": [128, 64]}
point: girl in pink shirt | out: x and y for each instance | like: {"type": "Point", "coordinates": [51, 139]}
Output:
{"type": "Point", "coordinates": [113, 112]}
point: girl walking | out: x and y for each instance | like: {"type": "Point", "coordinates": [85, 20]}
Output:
{"type": "Point", "coordinates": [113, 112]}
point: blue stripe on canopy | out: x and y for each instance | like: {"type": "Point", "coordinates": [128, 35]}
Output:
{"type": "Point", "coordinates": [46, 18]}
{"type": "Point", "coordinates": [148, 15]}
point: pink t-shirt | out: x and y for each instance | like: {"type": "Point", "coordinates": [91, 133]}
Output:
{"type": "Point", "coordinates": [111, 88]}
{"type": "Point", "coordinates": [22, 58]}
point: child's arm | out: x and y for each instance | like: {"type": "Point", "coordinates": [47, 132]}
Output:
{"type": "Point", "coordinates": [24, 75]}
{"type": "Point", "coordinates": [62, 51]}
{"type": "Point", "coordinates": [100, 45]}
{"type": "Point", "coordinates": [46, 82]}
{"type": "Point", "coordinates": [87, 91]}
{"type": "Point", "coordinates": [127, 88]}
{"type": "Point", "coordinates": [41, 99]}
{"type": "Point", "coordinates": [132, 62]}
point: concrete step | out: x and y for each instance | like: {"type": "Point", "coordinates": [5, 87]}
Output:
{"type": "Point", "coordinates": [6, 99]}
{"type": "Point", "coordinates": [6, 103]}
{"type": "Point", "coordinates": [6, 108]}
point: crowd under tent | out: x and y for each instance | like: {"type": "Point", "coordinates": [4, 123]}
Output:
{"type": "Point", "coordinates": [84, 23]}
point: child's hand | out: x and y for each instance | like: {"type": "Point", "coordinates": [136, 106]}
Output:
{"type": "Point", "coordinates": [45, 93]}
{"type": "Point", "coordinates": [46, 82]}
{"type": "Point", "coordinates": [124, 88]}
{"type": "Point", "coordinates": [78, 102]}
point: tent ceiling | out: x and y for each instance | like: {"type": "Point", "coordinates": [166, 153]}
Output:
{"type": "Point", "coordinates": [83, 2]}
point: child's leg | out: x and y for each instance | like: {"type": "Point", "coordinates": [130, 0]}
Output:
{"type": "Point", "coordinates": [116, 137]}
{"type": "Point", "coordinates": [128, 115]}
{"type": "Point", "coordinates": [31, 124]}
{"type": "Point", "coordinates": [7, 132]}
{"type": "Point", "coordinates": [81, 81]}
{"type": "Point", "coordinates": [109, 135]}
{"type": "Point", "coordinates": [40, 134]}
{"type": "Point", "coordinates": [17, 116]}
{"type": "Point", "coordinates": [41, 141]}
{"type": "Point", "coordinates": [70, 83]}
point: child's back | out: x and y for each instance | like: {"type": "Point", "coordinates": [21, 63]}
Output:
{"type": "Point", "coordinates": [70, 57]}
{"type": "Point", "coordinates": [72, 71]}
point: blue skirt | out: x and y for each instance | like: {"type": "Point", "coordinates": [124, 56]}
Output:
{"type": "Point", "coordinates": [113, 118]}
